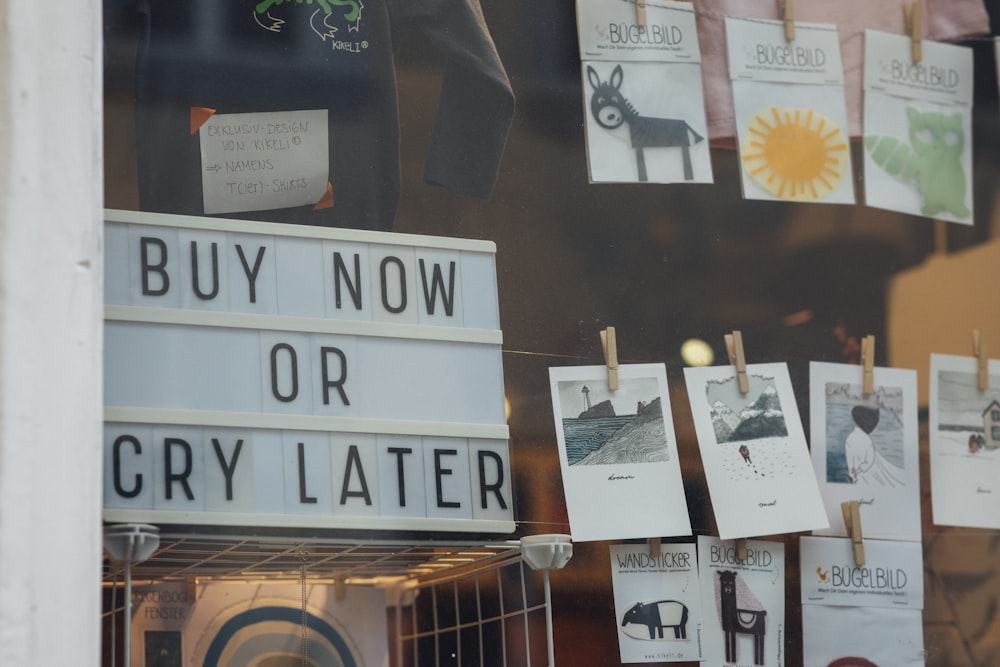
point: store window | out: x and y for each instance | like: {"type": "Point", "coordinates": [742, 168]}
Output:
{"type": "Point", "coordinates": [256, 154]}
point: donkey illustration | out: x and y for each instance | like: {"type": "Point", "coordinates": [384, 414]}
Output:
{"type": "Point", "coordinates": [744, 621]}
{"type": "Point", "coordinates": [611, 109]}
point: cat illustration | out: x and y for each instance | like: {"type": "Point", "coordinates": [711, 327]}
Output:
{"type": "Point", "coordinates": [932, 159]}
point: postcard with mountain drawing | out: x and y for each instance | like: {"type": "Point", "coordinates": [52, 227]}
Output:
{"type": "Point", "coordinates": [757, 465]}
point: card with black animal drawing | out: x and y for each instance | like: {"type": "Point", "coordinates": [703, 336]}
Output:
{"type": "Point", "coordinates": [657, 602]}
{"type": "Point", "coordinates": [642, 94]}
{"type": "Point", "coordinates": [645, 122]}
{"type": "Point", "coordinates": [743, 602]}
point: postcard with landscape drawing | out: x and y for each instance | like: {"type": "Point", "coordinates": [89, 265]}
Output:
{"type": "Point", "coordinates": [754, 451]}
{"type": "Point", "coordinates": [618, 453]}
{"type": "Point", "coordinates": [964, 443]}
{"type": "Point", "coordinates": [865, 447]}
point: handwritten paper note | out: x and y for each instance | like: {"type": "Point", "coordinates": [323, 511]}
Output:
{"type": "Point", "coordinates": [262, 161]}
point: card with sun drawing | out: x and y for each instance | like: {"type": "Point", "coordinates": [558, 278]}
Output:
{"type": "Point", "coordinates": [791, 116]}
{"type": "Point", "coordinates": [918, 128]}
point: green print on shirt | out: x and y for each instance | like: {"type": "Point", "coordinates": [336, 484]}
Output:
{"type": "Point", "coordinates": [325, 5]}
{"type": "Point", "coordinates": [932, 159]}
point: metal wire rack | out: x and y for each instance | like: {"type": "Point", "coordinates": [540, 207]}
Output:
{"type": "Point", "coordinates": [279, 558]}
{"type": "Point", "coordinates": [461, 602]}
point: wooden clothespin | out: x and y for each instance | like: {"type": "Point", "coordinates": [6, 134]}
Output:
{"type": "Point", "coordinates": [868, 364]}
{"type": "Point", "coordinates": [654, 546]}
{"type": "Point", "coordinates": [610, 345]}
{"type": "Point", "coordinates": [913, 19]}
{"type": "Point", "coordinates": [741, 548]}
{"type": "Point", "coordinates": [734, 348]}
{"type": "Point", "coordinates": [982, 361]}
{"type": "Point", "coordinates": [640, 13]}
{"type": "Point", "coordinates": [852, 521]}
{"type": "Point", "coordinates": [786, 9]}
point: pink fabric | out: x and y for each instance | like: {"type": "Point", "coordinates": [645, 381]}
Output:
{"type": "Point", "coordinates": [944, 20]}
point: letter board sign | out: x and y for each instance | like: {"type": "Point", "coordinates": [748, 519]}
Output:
{"type": "Point", "coordinates": [262, 374]}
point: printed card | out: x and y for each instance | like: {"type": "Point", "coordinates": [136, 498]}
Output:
{"type": "Point", "coordinates": [892, 576]}
{"type": "Point", "coordinates": [609, 31]}
{"type": "Point", "coordinates": [754, 451]}
{"type": "Point", "coordinates": [743, 602]}
{"type": "Point", "coordinates": [618, 453]}
{"type": "Point", "coordinates": [918, 128]}
{"type": "Point", "coordinates": [878, 604]}
{"type": "Point", "coordinates": [643, 99]}
{"type": "Point", "coordinates": [964, 443]}
{"type": "Point", "coordinates": [865, 447]}
{"type": "Point", "coordinates": [657, 603]}
{"type": "Point", "coordinates": [791, 115]}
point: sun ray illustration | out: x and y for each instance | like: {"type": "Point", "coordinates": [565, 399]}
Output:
{"type": "Point", "coordinates": [795, 154]}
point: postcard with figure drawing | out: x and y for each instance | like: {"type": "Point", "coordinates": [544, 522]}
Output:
{"type": "Point", "coordinates": [618, 454]}
{"type": "Point", "coordinates": [878, 605]}
{"type": "Point", "coordinates": [754, 452]}
{"type": "Point", "coordinates": [964, 443]}
{"type": "Point", "coordinates": [657, 602]}
{"type": "Point", "coordinates": [865, 447]}
{"type": "Point", "coordinates": [743, 602]}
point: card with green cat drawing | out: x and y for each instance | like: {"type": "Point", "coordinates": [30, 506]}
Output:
{"type": "Point", "coordinates": [918, 128]}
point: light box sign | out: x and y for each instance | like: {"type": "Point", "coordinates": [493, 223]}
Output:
{"type": "Point", "coordinates": [264, 374]}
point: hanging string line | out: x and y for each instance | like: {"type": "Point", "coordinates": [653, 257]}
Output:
{"type": "Point", "coordinates": [666, 4]}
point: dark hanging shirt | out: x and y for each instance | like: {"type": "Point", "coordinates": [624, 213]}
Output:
{"type": "Point", "coordinates": [241, 56]}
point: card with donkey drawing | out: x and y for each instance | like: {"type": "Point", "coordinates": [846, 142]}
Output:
{"type": "Point", "coordinates": [642, 92]}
